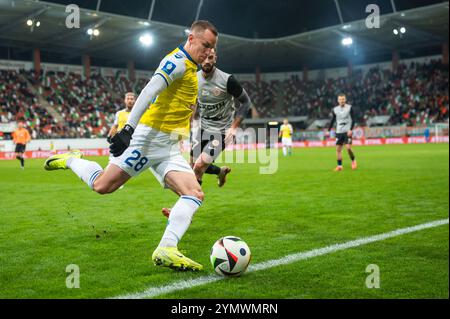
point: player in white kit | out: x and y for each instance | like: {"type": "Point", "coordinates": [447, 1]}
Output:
{"type": "Point", "coordinates": [344, 118]}
{"type": "Point", "coordinates": [219, 119]}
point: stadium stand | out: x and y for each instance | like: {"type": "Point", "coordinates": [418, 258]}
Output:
{"type": "Point", "coordinates": [414, 94]}
{"type": "Point", "coordinates": [18, 103]}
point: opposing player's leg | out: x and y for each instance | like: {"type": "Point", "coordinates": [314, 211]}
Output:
{"type": "Point", "coordinates": [197, 145]}
{"type": "Point", "coordinates": [352, 156]}
{"type": "Point", "coordinates": [339, 166]}
{"type": "Point", "coordinates": [212, 144]}
{"type": "Point", "coordinates": [222, 176]}
{"type": "Point", "coordinates": [191, 195]}
{"type": "Point", "coordinates": [201, 165]}
{"type": "Point", "coordinates": [213, 169]}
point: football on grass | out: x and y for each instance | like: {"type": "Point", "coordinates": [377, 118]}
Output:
{"type": "Point", "coordinates": [230, 256]}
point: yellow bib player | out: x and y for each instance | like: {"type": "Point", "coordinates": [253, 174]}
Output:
{"type": "Point", "coordinates": [286, 132]}
{"type": "Point", "coordinates": [121, 117]}
{"type": "Point", "coordinates": [149, 140]}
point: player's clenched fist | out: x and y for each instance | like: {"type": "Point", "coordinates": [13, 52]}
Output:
{"type": "Point", "coordinates": [121, 141]}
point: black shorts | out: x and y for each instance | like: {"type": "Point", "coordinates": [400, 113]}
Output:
{"type": "Point", "coordinates": [211, 143]}
{"type": "Point", "coordinates": [342, 139]}
{"type": "Point", "coordinates": [20, 148]}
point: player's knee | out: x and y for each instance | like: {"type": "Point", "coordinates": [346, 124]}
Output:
{"type": "Point", "coordinates": [200, 195]}
{"type": "Point", "coordinates": [102, 188]}
{"type": "Point", "coordinates": [204, 161]}
{"type": "Point", "coordinates": [197, 193]}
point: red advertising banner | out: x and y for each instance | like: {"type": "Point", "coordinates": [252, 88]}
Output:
{"type": "Point", "coordinates": [305, 144]}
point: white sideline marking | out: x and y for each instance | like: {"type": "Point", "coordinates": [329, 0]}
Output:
{"type": "Point", "coordinates": [187, 284]}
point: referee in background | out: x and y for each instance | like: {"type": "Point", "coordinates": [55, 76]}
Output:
{"type": "Point", "coordinates": [21, 137]}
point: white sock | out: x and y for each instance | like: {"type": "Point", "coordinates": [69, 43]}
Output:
{"type": "Point", "coordinates": [284, 151]}
{"type": "Point", "coordinates": [88, 171]}
{"type": "Point", "coordinates": [179, 220]}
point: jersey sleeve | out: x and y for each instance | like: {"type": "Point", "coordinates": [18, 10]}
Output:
{"type": "Point", "coordinates": [238, 92]}
{"type": "Point", "coordinates": [234, 87]}
{"type": "Point", "coordinates": [116, 119]}
{"type": "Point", "coordinates": [172, 67]}
{"type": "Point", "coordinates": [352, 117]}
{"type": "Point", "coordinates": [333, 119]}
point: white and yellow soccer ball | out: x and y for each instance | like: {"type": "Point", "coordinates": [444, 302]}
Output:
{"type": "Point", "coordinates": [230, 256]}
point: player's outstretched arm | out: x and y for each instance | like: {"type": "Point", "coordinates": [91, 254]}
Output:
{"type": "Point", "coordinates": [235, 88]}
{"type": "Point", "coordinates": [245, 106]}
{"type": "Point", "coordinates": [238, 92]}
{"type": "Point", "coordinates": [121, 141]}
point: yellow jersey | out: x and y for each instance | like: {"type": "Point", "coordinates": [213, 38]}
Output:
{"type": "Point", "coordinates": [171, 111]}
{"type": "Point", "coordinates": [121, 119]}
{"type": "Point", "coordinates": [286, 131]}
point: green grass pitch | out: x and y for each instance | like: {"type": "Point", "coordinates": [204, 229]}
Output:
{"type": "Point", "coordinates": [49, 220]}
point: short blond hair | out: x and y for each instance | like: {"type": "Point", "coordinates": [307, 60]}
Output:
{"type": "Point", "coordinates": [203, 25]}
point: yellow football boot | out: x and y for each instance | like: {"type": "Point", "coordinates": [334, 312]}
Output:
{"type": "Point", "coordinates": [59, 161]}
{"type": "Point", "coordinates": [172, 258]}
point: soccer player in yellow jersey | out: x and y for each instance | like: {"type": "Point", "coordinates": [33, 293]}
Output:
{"type": "Point", "coordinates": [286, 132]}
{"type": "Point", "coordinates": [159, 119]}
{"type": "Point", "coordinates": [121, 117]}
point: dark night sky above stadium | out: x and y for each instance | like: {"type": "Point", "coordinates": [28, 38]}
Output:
{"type": "Point", "coordinates": [250, 18]}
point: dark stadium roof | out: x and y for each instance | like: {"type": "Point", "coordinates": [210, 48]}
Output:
{"type": "Point", "coordinates": [250, 18]}
{"type": "Point", "coordinates": [427, 29]}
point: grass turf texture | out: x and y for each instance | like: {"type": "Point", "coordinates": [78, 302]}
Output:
{"type": "Point", "coordinates": [51, 219]}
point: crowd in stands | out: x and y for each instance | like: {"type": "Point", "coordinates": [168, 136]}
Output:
{"type": "Point", "coordinates": [17, 102]}
{"type": "Point", "coordinates": [86, 106]}
{"type": "Point", "coordinates": [413, 94]}
{"type": "Point", "coordinates": [264, 96]}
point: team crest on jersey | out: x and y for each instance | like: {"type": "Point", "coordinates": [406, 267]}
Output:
{"type": "Point", "coordinates": [216, 91]}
